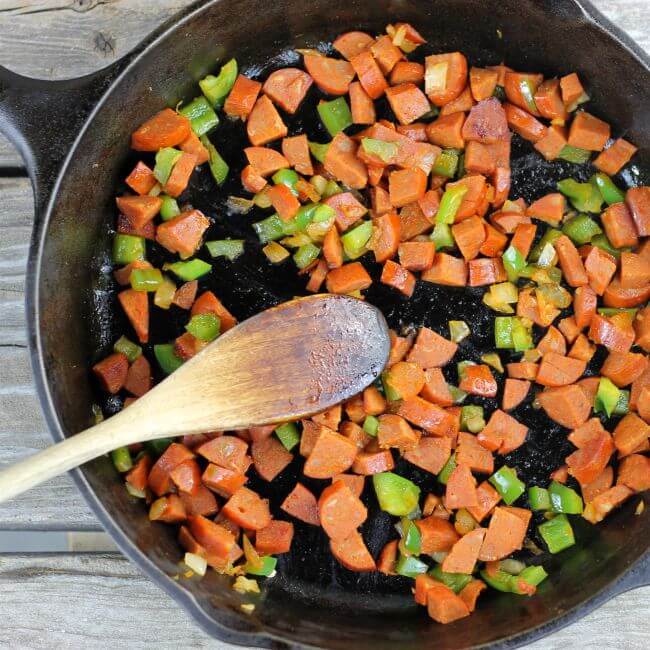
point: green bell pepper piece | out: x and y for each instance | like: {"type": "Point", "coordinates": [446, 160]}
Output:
{"type": "Point", "coordinates": [166, 158]}
{"type": "Point", "coordinates": [507, 484]}
{"type": "Point", "coordinates": [446, 471]}
{"type": "Point", "coordinates": [458, 395]}
{"type": "Point", "coordinates": [121, 458]}
{"type": "Point", "coordinates": [533, 575]}
{"type": "Point", "coordinates": [612, 311]}
{"type": "Point", "coordinates": [461, 367]}
{"type": "Point", "coordinates": [564, 499]}
{"type": "Point", "coordinates": [539, 498]}
{"type": "Point", "coordinates": [446, 164]}
{"type": "Point", "coordinates": [190, 269]}
{"type": "Point", "coordinates": [323, 213]}
{"type": "Point", "coordinates": [455, 581]}
{"type": "Point", "coordinates": [319, 151]}
{"type": "Point", "coordinates": [574, 154]}
{"type": "Point", "coordinates": [166, 358]}
{"type": "Point", "coordinates": [583, 196]}
{"type": "Point", "coordinates": [127, 248]}
{"type": "Point", "coordinates": [305, 255]}
{"type": "Point", "coordinates": [458, 330]}
{"type": "Point", "coordinates": [335, 115]}
{"type": "Point", "coordinates": [128, 348]}
{"type": "Point", "coordinates": [169, 208]}
{"type": "Point", "coordinates": [606, 397]}
{"type": "Point", "coordinates": [371, 425]}
{"type": "Point", "coordinates": [442, 236]}
{"type": "Point", "coordinates": [201, 115]}
{"type": "Point", "coordinates": [146, 279]}
{"type": "Point", "coordinates": [580, 229]}
{"type": "Point", "coordinates": [230, 248]}
{"type": "Point", "coordinates": [354, 240]}
{"type": "Point", "coordinates": [286, 177]}
{"type": "Point", "coordinates": [503, 332]}
{"type": "Point", "coordinates": [385, 151]}
{"type": "Point", "coordinates": [610, 193]}
{"type": "Point", "coordinates": [389, 392]}
{"type": "Point", "coordinates": [216, 89]}
{"type": "Point", "coordinates": [449, 204]}
{"type": "Point", "coordinates": [218, 166]}
{"type": "Point", "coordinates": [623, 404]}
{"type": "Point", "coordinates": [304, 217]}
{"type": "Point", "coordinates": [602, 242]}
{"type": "Point", "coordinates": [522, 338]}
{"type": "Point", "coordinates": [409, 566]}
{"type": "Point", "coordinates": [269, 229]}
{"type": "Point", "coordinates": [557, 533]}
{"type": "Point", "coordinates": [205, 327]}
{"type": "Point", "coordinates": [288, 435]}
{"type": "Point", "coordinates": [157, 447]}
{"type": "Point", "coordinates": [396, 495]}
{"type": "Point", "coordinates": [268, 567]}
{"type": "Point", "coordinates": [411, 542]}
{"type": "Point", "coordinates": [513, 262]}
{"type": "Point", "coordinates": [472, 419]}
{"type": "Point", "coordinates": [331, 189]}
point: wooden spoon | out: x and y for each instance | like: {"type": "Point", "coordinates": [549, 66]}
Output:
{"type": "Point", "coordinates": [286, 363]}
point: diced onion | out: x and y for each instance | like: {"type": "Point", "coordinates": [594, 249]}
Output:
{"type": "Point", "coordinates": [458, 330]}
{"type": "Point", "coordinates": [319, 182]}
{"type": "Point", "coordinates": [261, 199]}
{"type": "Point", "coordinates": [275, 252]}
{"type": "Point", "coordinates": [134, 492]}
{"type": "Point", "coordinates": [297, 240]}
{"type": "Point", "coordinates": [493, 360]}
{"type": "Point", "coordinates": [244, 585]}
{"type": "Point", "coordinates": [239, 205]}
{"type": "Point", "coordinates": [435, 78]}
{"type": "Point", "coordinates": [532, 356]}
{"type": "Point", "coordinates": [164, 294]}
{"type": "Point", "coordinates": [513, 567]}
{"type": "Point", "coordinates": [197, 563]}
{"type": "Point", "coordinates": [547, 256]}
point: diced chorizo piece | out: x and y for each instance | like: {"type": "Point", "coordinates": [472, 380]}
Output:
{"type": "Point", "coordinates": [141, 179]}
{"type": "Point", "coordinates": [405, 378]}
{"type": "Point", "coordinates": [329, 418]}
{"type": "Point", "coordinates": [387, 559]}
{"type": "Point", "coordinates": [443, 605]}
{"type": "Point", "coordinates": [347, 278]}
{"type": "Point", "coordinates": [588, 132]}
{"type": "Point", "coordinates": [624, 367]}
{"type": "Point", "coordinates": [482, 82]}
{"type": "Point", "coordinates": [478, 158]}
{"type": "Point", "coordinates": [386, 53]}
{"type": "Point", "coordinates": [582, 349]}
{"type": "Point", "coordinates": [552, 341]}
{"type": "Point", "coordinates": [630, 433]}
{"type": "Point", "coordinates": [437, 535]}
{"type": "Point", "coordinates": [183, 233]}
{"type": "Point", "coordinates": [494, 243]}
{"type": "Point", "coordinates": [251, 180]}
{"type": "Point", "coordinates": [136, 307]}
{"type": "Point", "coordinates": [425, 415]}
{"type": "Point", "coordinates": [505, 534]}
{"type": "Point", "coordinates": [515, 86]}
{"type": "Point", "coordinates": [398, 277]}
{"type": "Point", "coordinates": [471, 453]}
{"type": "Point", "coordinates": [570, 261]}
{"type": "Point", "coordinates": [469, 236]}
{"type": "Point", "coordinates": [275, 538]}
{"type": "Point", "coordinates": [242, 97]}
{"type": "Point", "coordinates": [287, 88]}
{"type": "Point", "coordinates": [595, 511]}
{"type": "Point", "coordinates": [514, 393]}
{"type": "Point", "coordinates": [436, 389]}
{"type": "Point", "coordinates": [310, 432]}
{"type": "Point", "coordinates": [615, 157]}
{"type": "Point", "coordinates": [264, 123]}
{"type": "Point", "coordinates": [431, 350]}
{"type": "Point", "coordinates": [370, 75]}
{"type": "Point", "coordinates": [470, 592]}
{"type": "Point", "coordinates": [165, 129]}
{"type": "Point", "coordinates": [552, 142]}
{"type": "Point", "coordinates": [370, 462]}
{"type": "Point", "coordinates": [486, 123]}
{"type": "Point", "coordinates": [558, 370]}
{"type": "Point", "coordinates": [412, 222]}
{"type": "Point", "coordinates": [462, 104]}
{"type": "Point", "coordinates": [447, 270]}
{"type": "Point", "coordinates": [354, 482]}
{"type": "Point", "coordinates": [445, 77]}
{"type": "Point", "coordinates": [635, 271]}
{"type": "Point", "coordinates": [478, 380]}
{"type": "Point", "coordinates": [446, 131]}
{"type": "Point", "coordinates": [474, 196]}
{"type": "Point", "coordinates": [139, 209]}
{"type": "Point", "coordinates": [430, 454]}
{"type": "Point", "coordinates": [194, 146]}
{"type": "Point", "coordinates": [270, 458]}
{"type": "Point", "coordinates": [247, 509]}
{"type": "Point", "coordinates": [352, 43]}
{"type": "Point", "coordinates": [341, 161]}
{"type": "Point", "coordinates": [502, 433]}
{"type": "Point", "coordinates": [634, 472]}
{"type": "Point", "coordinates": [408, 102]}
{"type": "Point", "coordinates": [332, 454]}
{"type": "Point", "coordinates": [461, 489]}
{"type": "Point", "coordinates": [353, 553]}
{"type": "Point", "coordinates": [600, 484]}
{"type": "Point", "coordinates": [523, 237]}
{"type": "Point", "coordinates": [347, 208]}
{"type": "Point", "coordinates": [126, 226]}
{"type": "Point", "coordinates": [202, 503]}
{"type": "Point", "coordinates": [159, 479]}
{"type": "Point", "coordinates": [283, 201]}
{"type": "Point", "coordinates": [488, 498]}
{"type": "Point", "coordinates": [301, 504]}
{"type": "Point", "coordinates": [341, 512]}
{"type": "Point", "coordinates": [642, 328]}
{"type": "Point", "coordinates": [572, 90]}
{"type": "Point", "coordinates": [332, 76]}
{"type": "Point", "coordinates": [208, 303]}
{"type": "Point", "coordinates": [486, 270]}
{"type": "Point", "coordinates": [112, 372]}
{"type": "Point", "coordinates": [566, 405]}
{"type": "Point", "coordinates": [600, 268]}
{"type": "Point", "coordinates": [185, 295]}
{"type": "Point", "coordinates": [187, 346]}
{"type": "Point", "coordinates": [386, 236]}
{"type": "Point", "coordinates": [416, 255]}
{"type": "Point", "coordinates": [548, 100]}
{"type": "Point", "coordinates": [464, 553]}
{"type": "Point", "coordinates": [225, 482]}
{"type": "Point", "coordinates": [407, 72]}
{"type": "Point", "coordinates": [524, 124]}
{"type": "Point", "coordinates": [618, 296]}
{"type": "Point", "coordinates": [226, 451]}
{"type": "Point", "coordinates": [266, 161]}
{"type": "Point", "coordinates": [406, 186]}
{"type": "Point", "coordinates": [180, 174]}
{"type": "Point", "coordinates": [619, 225]}
{"type": "Point", "coordinates": [219, 542]}
{"type": "Point", "coordinates": [615, 338]}
{"type": "Point", "coordinates": [137, 477]}
{"type": "Point", "coordinates": [138, 378]}
{"type": "Point", "coordinates": [394, 431]}
{"type": "Point", "coordinates": [522, 370]}
{"type": "Point", "coordinates": [417, 131]}
{"type": "Point", "coordinates": [590, 460]}
{"type": "Point", "coordinates": [361, 105]}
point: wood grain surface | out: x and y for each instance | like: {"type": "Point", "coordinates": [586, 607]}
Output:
{"type": "Point", "coordinates": [91, 600]}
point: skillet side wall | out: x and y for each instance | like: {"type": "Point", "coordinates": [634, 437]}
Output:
{"type": "Point", "coordinates": [76, 295]}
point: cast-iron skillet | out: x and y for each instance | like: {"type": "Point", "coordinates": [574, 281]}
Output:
{"type": "Point", "coordinates": [81, 127]}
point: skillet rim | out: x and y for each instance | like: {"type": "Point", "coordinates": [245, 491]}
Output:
{"type": "Point", "coordinates": [250, 634]}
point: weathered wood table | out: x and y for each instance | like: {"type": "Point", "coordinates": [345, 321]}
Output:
{"type": "Point", "coordinates": [79, 599]}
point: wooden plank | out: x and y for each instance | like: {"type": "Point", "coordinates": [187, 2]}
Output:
{"type": "Point", "coordinates": [9, 157]}
{"type": "Point", "coordinates": [85, 600]}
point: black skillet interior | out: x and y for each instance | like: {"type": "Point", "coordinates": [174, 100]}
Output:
{"type": "Point", "coordinates": [313, 600]}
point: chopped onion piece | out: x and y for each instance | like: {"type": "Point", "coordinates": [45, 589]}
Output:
{"type": "Point", "coordinates": [164, 293]}
{"type": "Point", "coordinates": [493, 360]}
{"type": "Point", "coordinates": [532, 356]}
{"type": "Point", "coordinates": [435, 78]}
{"type": "Point", "coordinates": [239, 205]}
{"type": "Point", "coordinates": [244, 585]}
{"type": "Point", "coordinates": [513, 567]}
{"type": "Point", "coordinates": [134, 492]}
{"type": "Point", "coordinates": [261, 199]}
{"type": "Point", "coordinates": [297, 240]}
{"type": "Point", "coordinates": [275, 252]}
{"type": "Point", "coordinates": [197, 563]}
{"type": "Point", "coordinates": [458, 330]}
